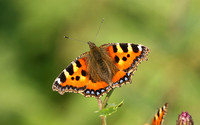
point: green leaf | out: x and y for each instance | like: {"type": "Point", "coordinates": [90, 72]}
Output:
{"type": "Point", "coordinates": [110, 109]}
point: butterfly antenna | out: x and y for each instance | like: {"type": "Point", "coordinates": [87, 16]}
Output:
{"type": "Point", "coordinates": [99, 29]}
{"type": "Point", "coordinates": [74, 39]}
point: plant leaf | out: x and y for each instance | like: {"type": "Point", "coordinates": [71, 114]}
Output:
{"type": "Point", "coordinates": [110, 109]}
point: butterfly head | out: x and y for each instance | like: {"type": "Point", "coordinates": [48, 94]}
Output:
{"type": "Point", "coordinates": [91, 45]}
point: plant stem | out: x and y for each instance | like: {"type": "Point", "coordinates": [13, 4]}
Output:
{"type": "Point", "coordinates": [103, 118]}
{"type": "Point", "coordinates": [102, 106]}
{"type": "Point", "coordinates": [106, 98]}
{"type": "Point", "coordinates": [99, 103]}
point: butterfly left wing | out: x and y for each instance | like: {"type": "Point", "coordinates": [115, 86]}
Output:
{"type": "Point", "coordinates": [74, 78]}
{"type": "Point", "coordinates": [126, 56]}
{"type": "Point", "coordinates": [159, 116]}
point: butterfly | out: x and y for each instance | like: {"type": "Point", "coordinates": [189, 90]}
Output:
{"type": "Point", "coordinates": [101, 69]}
{"type": "Point", "coordinates": [159, 116]}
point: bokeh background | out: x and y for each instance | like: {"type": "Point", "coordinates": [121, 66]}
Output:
{"type": "Point", "coordinates": [33, 52]}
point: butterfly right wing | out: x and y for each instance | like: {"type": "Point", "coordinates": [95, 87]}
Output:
{"type": "Point", "coordinates": [159, 116]}
{"type": "Point", "coordinates": [126, 57]}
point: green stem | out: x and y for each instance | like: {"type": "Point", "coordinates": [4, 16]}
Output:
{"type": "Point", "coordinates": [103, 105]}
{"type": "Point", "coordinates": [107, 98]}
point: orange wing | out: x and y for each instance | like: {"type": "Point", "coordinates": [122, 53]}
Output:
{"type": "Point", "coordinates": [126, 56]}
{"type": "Point", "coordinates": [159, 116]}
{"type": "Point", "coordinates": [75, 78]}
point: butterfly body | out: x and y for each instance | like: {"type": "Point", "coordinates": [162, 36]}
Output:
{"type": "Point", "coordinates": [100, 65]}
{"type": "Point", "coordinates": [102, 68]}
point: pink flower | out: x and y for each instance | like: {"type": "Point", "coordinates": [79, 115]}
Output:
{"type": "Point", "coordinates": [184, 119]}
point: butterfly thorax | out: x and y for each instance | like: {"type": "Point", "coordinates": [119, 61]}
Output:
{"type": "Point", "coordinates": [100, 66]}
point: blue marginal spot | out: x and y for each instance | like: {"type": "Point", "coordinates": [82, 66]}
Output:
{"type": "Point", "coordinates": [92, 92]}
{"type": "Point", "coordinates": [87, 92]}
{"type": "Point", "coordinates": [107, 87]}
{"type": "Point", "coordinates": [66, 87]}
{"type": "Point", "coordinates": [128, 74]}
{"type": "Point", "coordinates": [116, 83]}
{"type": "Point", "coordinates": [102, 90]}
{"type": "Point", "coordinates": [98, 93]}
{"type": "Point", "coordinates": [125, 78]}
{"type": "Point", "coordinates": [132, 65]}
{"type": "Point", "coordinates": [60, 88]}
{"type": "Point", "coordinates": [121, 80]}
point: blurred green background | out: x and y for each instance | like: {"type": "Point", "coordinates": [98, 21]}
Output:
{"type": "Point", "coordinates": [33, 52]}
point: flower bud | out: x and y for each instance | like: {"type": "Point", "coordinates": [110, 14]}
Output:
{"type": "Point", "coordinates": [184, 119]}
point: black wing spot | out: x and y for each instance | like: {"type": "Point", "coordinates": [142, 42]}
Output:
{"type": "Point", "coordinates": [124, 47]}
{"type": "Point", "coordinates": [77, 78]}
{"type": "Point", "coordinates": [116, 59]}
{"type": "Point", "coordinates": [83, 72]}
{"type": "Point", "coordinates": [78, 64]}
{"type": "Point", "coordinates": [56, 83]}
{"type": "Point", "coordinates": [70, 69]}
{"type": "Point", "coordinates": [135, 48]}
{"type": "Point", "coordinates": [72, 78]}
{"type": "Point", "coordinates": [158, 114]}
{"type": "Point", "coordinates": [62, 77]}
{"type": "Point", "coordinates": [124, 58]}
{"type": "Point", "coordinates": [128, 55]}
{"type": "Point", "coordinates": [114, 48]}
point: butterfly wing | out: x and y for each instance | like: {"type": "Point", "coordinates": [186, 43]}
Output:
{"type": "Point", "coordinates": [159, 116]}
{"type": "Point", "coordinates": [126, 56]}
{"type": "Point", "coordinates": [74, 78]}
{"type": "Point", "coordinates": [96, 89]}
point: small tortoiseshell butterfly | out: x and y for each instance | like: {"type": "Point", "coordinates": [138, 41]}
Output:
{"type": "Point", "coordinates": [159, 116]}
{"type": "Point", "coordinates": [102, 68]}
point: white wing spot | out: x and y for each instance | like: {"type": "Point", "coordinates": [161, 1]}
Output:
{"type": "Point", "coordinates": [140, 47]}
{"type": "Point", "coordinates": [129, 47]}
{"type": "Point", "coordinates": [58, 80]}
{"type": "Point", "coordinates": [75, 67]}
{"type": "Point", "coordinates": [66, 73]}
